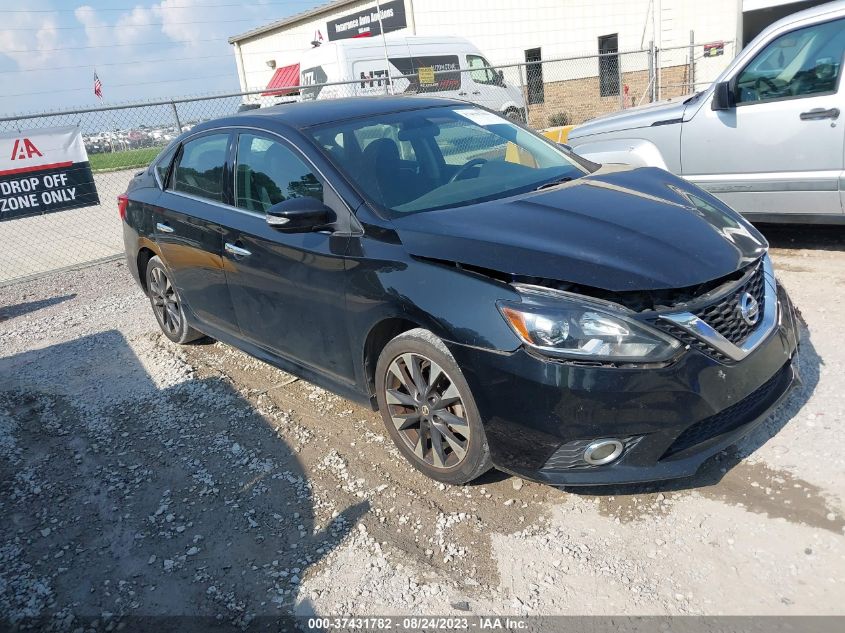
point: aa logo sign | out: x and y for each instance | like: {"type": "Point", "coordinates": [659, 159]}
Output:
{"type": "Point", "coordinates": [44, 170]}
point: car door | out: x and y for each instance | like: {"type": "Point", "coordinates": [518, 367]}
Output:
{"type": "Point", "coordinates": [288, 289]}
{"type": "Point", "coordinates": [188, 227]}
{"type": "Point", "coordinates": [781, 148]}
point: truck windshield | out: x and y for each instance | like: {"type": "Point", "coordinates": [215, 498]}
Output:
{"type": "Point", "coordinates": [435, 158]}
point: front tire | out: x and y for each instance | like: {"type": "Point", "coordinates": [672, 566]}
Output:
{"type": "Point", "coordinates": [166, 304]}
{"type": "Point", "coordinates": [428, 409]}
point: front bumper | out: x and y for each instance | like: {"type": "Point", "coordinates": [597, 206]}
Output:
{"type": "Point", "coordinates": [672, 418]}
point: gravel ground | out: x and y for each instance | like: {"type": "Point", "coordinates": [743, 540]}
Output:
{"type": "Point", "coordinates": [142, 478]}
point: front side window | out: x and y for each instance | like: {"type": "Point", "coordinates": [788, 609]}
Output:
{"type": "Point", "coordinates": [459, 156]}
{"type": "Point", "coordinates": [481, 72]}
{"type": "Point", "coordinates": [199, 170]}
{"type": "Point", "coordinates": [268, 172]}
{"type": "Point", "coordinates": [801, 63]}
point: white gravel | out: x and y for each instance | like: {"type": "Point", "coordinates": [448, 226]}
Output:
{"type": "Point", "coordinates": [143, 478]}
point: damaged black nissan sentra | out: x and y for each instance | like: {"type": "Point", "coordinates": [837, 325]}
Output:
{"type": "Point", "coordinates": [500, 300]}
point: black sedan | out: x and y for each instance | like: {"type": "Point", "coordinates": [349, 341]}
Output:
{"type": "Point", "coordinates": [500, 300]}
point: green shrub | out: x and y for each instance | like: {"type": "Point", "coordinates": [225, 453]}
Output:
{"type": "Point", "coordinates": [559, 118]}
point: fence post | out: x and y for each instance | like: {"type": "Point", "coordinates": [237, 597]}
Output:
{"type": "Point", "coordinates": [657, 73]}
{"type": "Point", "coordinates": [691, 73]}
{"type": "Point", "coordinates": [652, 80]}
{"type": "Point", "coordinates": [176, 117]}
{"type": "Point", "coordinates": [523, 91]}
{"type": "Point", "coordinates": [619, 58]}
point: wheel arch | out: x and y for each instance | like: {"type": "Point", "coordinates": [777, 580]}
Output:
{"type": "Point", "coordinates": [377, 338]}
{"type": "Point", "coordinates": [634, 152]}
{"type": "Point", "coordinates": [146, 251]}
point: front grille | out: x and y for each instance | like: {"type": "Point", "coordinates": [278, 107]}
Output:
{"type": "Point", "coordinates": [724, 316]}
{"type": "Point", "coordinates": [734, 416]}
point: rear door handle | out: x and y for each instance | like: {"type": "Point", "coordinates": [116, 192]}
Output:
{"type": "Point", "coordinates": [163, 228]}
{"type": "Point", "coordinates": [462, 94]}
{"type": "Point", "coordinates": [476, 92]}
{"type": "Point", "coordinates": [236, 251]}
{"type": "Point", "coordinates": [820, 113]}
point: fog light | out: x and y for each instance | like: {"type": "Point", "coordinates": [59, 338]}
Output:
{"type": "Point", "coordinates": [603, 452]}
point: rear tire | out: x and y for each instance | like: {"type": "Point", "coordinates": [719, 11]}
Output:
{"type": "Point", "coordinates": [428, 409]}
{"type": "Point", "coordinates": [166, 304]}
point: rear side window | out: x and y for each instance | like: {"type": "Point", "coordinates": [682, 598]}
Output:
{"type": "Point", "coordinates": [268, 173]}
{"type": "Point", "coordinates": [199, 171]}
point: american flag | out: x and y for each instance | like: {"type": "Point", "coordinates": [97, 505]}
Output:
{"type": "Point", "coordinates": [98, 86]}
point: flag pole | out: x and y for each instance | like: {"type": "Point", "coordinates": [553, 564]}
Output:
{"type": "Point", "coordinates": [384, 44]}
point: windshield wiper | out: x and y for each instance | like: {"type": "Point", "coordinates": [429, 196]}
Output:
{"type": "Point", "coordinates": [554, 183]}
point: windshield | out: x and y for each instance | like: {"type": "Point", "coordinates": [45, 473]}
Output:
{"type": "Point", "coordinates": [435, 158]}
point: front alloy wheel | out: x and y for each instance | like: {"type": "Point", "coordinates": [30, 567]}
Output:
{"type": "Point", "coordinates": [428, 408]}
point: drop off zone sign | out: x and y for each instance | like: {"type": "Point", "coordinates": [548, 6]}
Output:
{"type": "Point", "coordinates": [44, 170]}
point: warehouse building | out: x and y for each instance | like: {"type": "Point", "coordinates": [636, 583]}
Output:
{"type": "Point", "coordinates": [535, 33]}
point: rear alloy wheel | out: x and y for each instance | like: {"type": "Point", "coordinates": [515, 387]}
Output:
{"type": "Point", "coordinates": [166, 305]}
{"type": "Point", "coordinates": [428, 409]}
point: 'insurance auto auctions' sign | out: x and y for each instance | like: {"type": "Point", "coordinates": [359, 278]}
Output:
{"type": "Point", "coordinates": [44, 170]}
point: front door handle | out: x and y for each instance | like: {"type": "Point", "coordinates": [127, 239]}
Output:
{"type": "Point", "coordinates": [462, 94]}
{"type": "Point", "coordinates": [820, 113]}
{"type": "Point", "coordinates": [476, 92]}
{"type": "Point", "coordinates": [236, 251]}
{"type": "Point", "coordinates": [163, 228]}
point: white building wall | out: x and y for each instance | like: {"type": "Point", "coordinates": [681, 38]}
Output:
{"type": "Point", "coordinates": [504, 29]}
{"type": "Point", "coordinates": [284, 46]}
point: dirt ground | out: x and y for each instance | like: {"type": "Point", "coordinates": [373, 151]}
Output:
{"type": "Point", "coordinates": [142, 478]}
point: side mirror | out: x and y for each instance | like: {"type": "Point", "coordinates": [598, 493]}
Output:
{"type": "Point", "coordinates": [723, 98]}
{"type": "Point", "coordinates": [299, 215]}
{"type": "Point", "coordinates": [501, 76]}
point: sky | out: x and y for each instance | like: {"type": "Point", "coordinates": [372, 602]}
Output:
{"type": "Point", "coordinates": [50, 49]}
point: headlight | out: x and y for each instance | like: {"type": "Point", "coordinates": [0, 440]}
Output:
{"type": "Point", "coordinates": [563, 325]}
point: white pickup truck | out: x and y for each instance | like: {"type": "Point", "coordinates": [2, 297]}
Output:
{"type": "Point", "coordinates": [768, 137]}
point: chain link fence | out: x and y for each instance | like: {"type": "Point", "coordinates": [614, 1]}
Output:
{"type": "Point", "coordinates": [121, 140]}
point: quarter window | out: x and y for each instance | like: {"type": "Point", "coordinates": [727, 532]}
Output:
{"type": "Point", "coordinates": [801, 63]}
{"type": "Point", "coordinates": [200, 168]}
{"type": "Point", "coordinates": [163, 165]}
{"type": "Point", "coordinates": [268, 173]}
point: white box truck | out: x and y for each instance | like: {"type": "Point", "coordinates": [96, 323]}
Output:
{"type": "Point", "coordinates": [438, 66]}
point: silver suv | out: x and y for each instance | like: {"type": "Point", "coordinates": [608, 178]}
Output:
{"type": "Point", "coordinates": [767, 137]}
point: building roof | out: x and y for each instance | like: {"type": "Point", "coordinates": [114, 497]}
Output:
{"type": "Point", "coordinates": [293, 19]}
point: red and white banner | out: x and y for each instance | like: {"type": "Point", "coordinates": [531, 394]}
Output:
{"type": "Point", "coordinates": [44, 170]}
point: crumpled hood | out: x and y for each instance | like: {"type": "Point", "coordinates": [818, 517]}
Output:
{"type": "Point", "coordinates": [631, 118]}
{"type": "Point", "coordinates": [617, 229]}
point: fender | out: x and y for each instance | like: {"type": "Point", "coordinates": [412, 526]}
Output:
{"type": "Point", "coordinates": [634, 152]}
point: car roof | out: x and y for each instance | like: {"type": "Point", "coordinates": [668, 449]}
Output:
{"type": "Point", "coordinates": [310, 113]}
